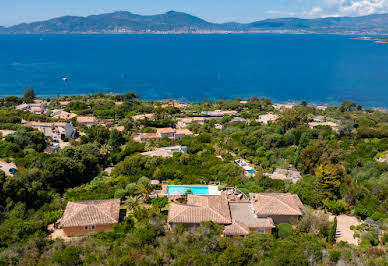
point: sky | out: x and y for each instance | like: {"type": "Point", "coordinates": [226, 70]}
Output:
{"type": "Point", "coordinates": [17, 11]}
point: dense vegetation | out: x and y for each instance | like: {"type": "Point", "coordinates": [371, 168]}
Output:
{"type": "Point", "coordinates": [340, 175]}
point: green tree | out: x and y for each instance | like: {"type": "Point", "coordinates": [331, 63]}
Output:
{"type": "Point", "coordinates": [329, 177]}
{"type": "Point", "coordinates": [347, 106]}
{"type": "Point", "coordinates": [284, 230]}
{"type": "Point", "coordinates": [159, 202]}
{"type": "Point", "coordinates": [29, 95]}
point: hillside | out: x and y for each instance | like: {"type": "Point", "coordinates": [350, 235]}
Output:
{"type": "Point", "coordinates": [178, 22]}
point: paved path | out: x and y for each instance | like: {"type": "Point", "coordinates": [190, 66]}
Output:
{"type": "Point", "coordinates": [343, 228]}
{"type": "Point", "coordinates": [4, 166]}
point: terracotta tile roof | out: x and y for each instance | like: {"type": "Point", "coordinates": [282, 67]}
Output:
{"type": "Point", "coordinates": [183, 132]}
{"type": "Point", "coordinates": [200, 209]}
{"type": "Point", "coordinates": [39, 124]}
{"type": "Point", "coordinates": [267, 204]}
{"type": "Point", "coordinates": [143, 117]}
{"type": "Point", "coordinates": [165, 130]}
{"type": "Point", "coordinates": [86, 119]}
{"type": "Point", "coordinates": [236, 228]}
{"type": "Point", "coordinates": [330, 124]}
{"type": "Point", "coordinates": [158, 153]}
{"type": "Point", "coordinates": [149, 136]}
{"type": "Point", "coordinates": [91, 212]}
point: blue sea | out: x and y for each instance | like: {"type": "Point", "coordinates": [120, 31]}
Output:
{"type": "Point", "coordinates": [315, 68]}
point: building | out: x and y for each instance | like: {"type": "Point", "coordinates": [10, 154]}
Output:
{"type": "Point", "coordinates": [164, 132]}
{"type": "Point", "coordinates": [200, 209]}
{"type": "Point", "coordinates": [180, 133]}
{"type": "Point", "coordinates": [285, 174]}
{"type": "Point", "coordinates": [165, 152]}
{"type": "Point", "coordinates": [260, 214]}
{"type": "Point", "coordinates": [143, 117]}
{"type": "Point", "coordinates": [280, 106]}
{"type": "Point", "coordinates": [144, 137]}
{"type": "Point", "coordinates": [249, 170]}
{"type": "Point", "coordinates": [64, 103]}
{"type": "Point", "coordinates": [90, 216]}
{"type": "Point", "coordinates": [267, 117]}
{"type": "Point", "coordinates": [57, 130]}
{"type": "Point", "coordinates": [245, 221]}
{"type": "Point", "coordinates": [333, 125]}
{"type": "Point", "coordinates": [60, 114]}
{"type": "Point", "coordinates": [220, 113]}
{"type": "Point", "coordinates": [36, 108]}
{"type": "Point", "coordinates": [281, 207]}
{"type": "Point", "coordinates": [186, 121]}
{"type": "Point", "coordinates": [6, 132]}
{"type": "Point", "coordinates": [87, 121]}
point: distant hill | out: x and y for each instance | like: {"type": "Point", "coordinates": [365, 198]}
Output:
{"type": "Point", "coordinates": [178, 22]}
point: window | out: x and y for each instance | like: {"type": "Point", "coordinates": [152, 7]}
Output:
{"type": "Point", "coordinates": [260, 230]}
{"type": "Point", "coordinates": [86, 227]}
{"type": "Point", "coordinates": [93, 227]}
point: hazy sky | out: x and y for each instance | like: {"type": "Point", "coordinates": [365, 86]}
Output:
{"type": "Point", "coordinates": [17, 11]}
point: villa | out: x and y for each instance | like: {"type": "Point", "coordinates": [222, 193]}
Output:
{"type": "Point", "coordinates": [279, 106]}
{"type": "Point", "coordinates": [186, 121]}
{"type": "Point", "coordinates": [56, 113]}
{"type": "Point", "coordinates": [143, 117]}
{"type": "Point", "coordinates": [165, 152]}
{"type": "Point", "coordinates": [220, 113]}
{"type": "Point", "coordinates": [57, 131]}
{"type": "Point", "coordinates": [260, 214]}
{"type": "Point", "coordinates": [6, 132]}
{"type": "Point", "coordinates": [249, 170]}
{"type": "Point", "coordinates": [87, 121]}
{"type": "Point", "coordinates": [90, 216]}
{"type": "Point", "coordinates": [285, 174]}
{"type": "Point", "coordinates": [35, 108]}
{"type": "Point", "coordinates": [333, 125]}
{"type": "Point", "coordinates": [267, 117]}
{"type": "Point", "coordinates": [164, 132]}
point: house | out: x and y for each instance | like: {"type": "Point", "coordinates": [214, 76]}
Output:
{"type": "Point", "coordinates": [249, 170]}
{"type": "Point", "coordinates": [6, 132]}
{"type": "Point", "coordinates": [165, 152]}
{"type": "Point", "coordinates": [90, 216]}
{"type": "Point", "coordinates": [144, 137]}
{"type": "Point", "coordinates": [57, 130]}
{"type": "Point", "coordinates": [240, 119]}
{"type": "Point", "coordinates": [280, 106]}
{"type": "Point", "coordinates": [143, 117]}
{"type": "Point", "coordinates": [180, 133]}
{"type": "Point", "coordinates": [60, 114]}
{"type": "Point", "coordinates": [333, 125]}
{"type": "Point", "coordinates": [36, 108]}
{"type": "Point", "coordinates": [267, 117]}
{"type": "Point", "coordinates": [219, 113]}
{"type": "Point", "coordinates": [64, 103]}
{"type": "Point", "coordinates": [118, 128]}
{"type": "Point", "coordinates": [285, 174]}
{"type": "Point", "coordinates": [186, 121]}
{"type": "Point", "coordinates": [245, 221]}
{"type": "Point", "coordinates": [166, 132]}
{"type": "Point", "coordinates": [88, 121]}
{"type": "Point", "coordinates": [281, 207]}
{"type": "Point", "coordinates": [321, 108]}
{"type": "Point", "coordinates": [200, 209]}
{"type": "Point", "coordinates": [119, 103]}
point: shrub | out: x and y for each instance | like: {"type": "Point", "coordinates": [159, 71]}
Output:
{"type": "Point", "coordinates": [284, 230]}
{"type": "Point", "coordinates": [371, 237]}
{"type": "Point", "coordinates": [333, 231]}
{"type": "Point", "coordinates": [384, 239]}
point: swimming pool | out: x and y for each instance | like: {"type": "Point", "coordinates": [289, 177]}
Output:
{"type": "Point", "coordinates": [195, 190]}
{"type": "Point", "coordinates": [252, 172]}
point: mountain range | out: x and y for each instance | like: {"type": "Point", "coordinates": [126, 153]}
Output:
{"type": "Point", "coordinates": [178, 22]}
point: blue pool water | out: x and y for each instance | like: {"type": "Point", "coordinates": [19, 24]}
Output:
{"type": "Point", "coordinates": [196, 190]}
{"type": "Point", "coordinates": [252, 172]}
{"type": "Point", "coordinates": [316, 68]}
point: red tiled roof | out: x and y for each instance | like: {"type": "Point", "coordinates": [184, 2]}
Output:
{"type": "Point", "coordinates": [200, 209]}
{"type": "Point", "coordinates": [267, 204]}
{"type": "Point", "coordinates": [91, 212]}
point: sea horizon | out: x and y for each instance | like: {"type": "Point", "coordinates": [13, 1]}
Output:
{"type": "Point", "coordinates": [317, 68]}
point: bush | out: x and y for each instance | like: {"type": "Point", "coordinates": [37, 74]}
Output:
{"type": "Point", "coordinates": [371, 237]}
{"type": "Point", "coordinates": [284, 230]}
{"type": "Point", "coordinates": [333, 232]}
{"type": "Point", "coordinates": [384, 239]}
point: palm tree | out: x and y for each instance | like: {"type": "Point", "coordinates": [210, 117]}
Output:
{"type": "Point", "coordinates": [133, 202]}
{"type": "Point", "coordinates": [145, 188]}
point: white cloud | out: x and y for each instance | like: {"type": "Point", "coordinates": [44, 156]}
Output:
{"type": "Point", "coordinates": [337, 8]}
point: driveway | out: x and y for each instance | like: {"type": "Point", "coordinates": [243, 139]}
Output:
{"type": "Point", "coordinates": [343, 228]}
{"type": "Point", "coordinates": [4, 166]}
